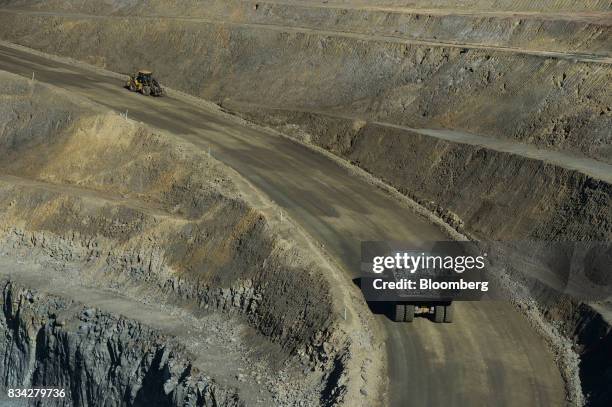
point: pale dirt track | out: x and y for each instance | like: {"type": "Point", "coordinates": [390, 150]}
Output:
{"type": "Point", "coordinates": [490, 356]}
{"type": "Point", "coordinates": [582, 57]}
{"type": "Point", "coordinates": [589, 16]}
{"type": "Point", "coordinates": [573, 162]}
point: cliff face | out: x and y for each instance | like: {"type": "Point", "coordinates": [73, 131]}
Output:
{"type": "Point", "coordinates": [591, 329]}
{"type": "Point", "coordinates": [97, 357]}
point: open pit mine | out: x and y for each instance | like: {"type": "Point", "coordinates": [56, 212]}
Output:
{"type": "Point", "coordinates": [193, 193]}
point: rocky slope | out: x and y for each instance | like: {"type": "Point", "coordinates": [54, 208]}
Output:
{"type": "Point", "coordinates": [125, 209]}
{"type": "Point", "coordinates": [333, 63]}
{"type": "Point", "coordinates": [530, 72]}
{"type": "Point", "coordinates": [557, 30]}
{"type": "Point", "coordinates": [96, 357]}
{"type": "Point", "coordinates": [471, 186]}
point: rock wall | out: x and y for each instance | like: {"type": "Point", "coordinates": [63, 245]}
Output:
{"type": "Point", "coordinates": [49, 341]}
{"type": "Point", "coordinates": [208, 6]}
{"type": "Point", "coordinates": [553, 102]}
{"type": "Point", "coordinates": [584, 33]}
{"type": "Point", "coordinates": [165, 213]}
{"type": "Point", "coordinates": [130, 210]}
{"type": "Point", "coordinates": [515, 5]}
{"type": "Point", "coordinates": [593, 334]}
{"type": "Point", "coordinates": [488, 194]}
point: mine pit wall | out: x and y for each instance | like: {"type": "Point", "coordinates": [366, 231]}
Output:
{"type": "Point", "coordinates": [555, 103]}
{"type": "Point", "coordinates": [153, 214]}
{"type": "Point", "coordinates": [486, 195]}
{"type": "Point", "coordinates": [482, 192]}
{"type": "Point", "coordinates": [495, 5]}
{"type": "Point", "coordinates": [594, 335]}
{"type": "Point", "coordinates": [115, 6]}
{"type": "Point", "coordinates": [579, 334]}
{"type": "Point", "coordinates": [288, 304]}
{"type": "Point", "coordinates": [519, 32]}
{"type": "Point", "coordinates": [48, 341]}
{"type": "Point", "coordinates": [522, 31]}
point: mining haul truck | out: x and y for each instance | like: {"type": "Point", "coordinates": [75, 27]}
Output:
{"type": "Point", "coordinates": [442, 311]}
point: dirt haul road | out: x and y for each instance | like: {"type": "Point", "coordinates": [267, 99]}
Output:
{"type": "Point", "coordinates": [490, 356]}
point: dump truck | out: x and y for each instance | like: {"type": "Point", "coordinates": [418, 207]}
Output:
{"type": "Point", "coordinates": [440, 311]}
{"type": "Point", "coordinates": [144, 82]}
{"type": "Point", "coordinates": [404, 282]}
{"type": "Point", "coordinates": [398, 293]}
{"type": "Point", "coordinates": [417, 302]}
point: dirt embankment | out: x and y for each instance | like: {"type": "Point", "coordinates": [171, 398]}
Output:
{"type": "Point", "coordinates": [139, 212]}
{"type": "Point", "coordinates": [557, 102]}
{"type": "Point", "coordinates": [591, 333]}
{"type": "Point", "coordinates": [482, 192]}
{"type": "Point", "coordinates": [552, 101]}
{"type": "Point", "coordinates": [581, 33]}
{"type": "Point", "coordinates": [512, 5]}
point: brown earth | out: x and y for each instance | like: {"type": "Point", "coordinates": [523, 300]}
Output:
{"type": "Point", "coordinates": [472, 186]}
{"type": "Point", "coordinates": [134, 210]}
{"type": "Point", "coordinates": [526, 72]}
{"type": "Point", "coordinates": [534, 95]}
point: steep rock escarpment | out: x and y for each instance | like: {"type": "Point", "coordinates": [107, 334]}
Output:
{"type": "Point", "coordinates": [97, 358]}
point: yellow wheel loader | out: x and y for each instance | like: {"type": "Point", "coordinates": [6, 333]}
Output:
{"type": "Point", "coordinates": [144, 82]}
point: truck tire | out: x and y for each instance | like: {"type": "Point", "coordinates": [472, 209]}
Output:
{"type": "Point", "coordinates": [131, 87]}
{"type": "Point", "coordinates": [146, 90]}
{"type": "Point", "coordinates": [448, 314]}
{"type": "Point", "coordinates": [398, 312]}
{"type": "Point", "coordinates": [409, 313]}
{"type": "Point", "coordinates": [439, 313]}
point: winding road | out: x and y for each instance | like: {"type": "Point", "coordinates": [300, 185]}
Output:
{"type": "Point", "coordinates": [489, 357]}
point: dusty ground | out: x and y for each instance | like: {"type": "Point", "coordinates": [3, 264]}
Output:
{"type": "Point", "coordinates": [94, 202]}
{"type": "Point", "coordinates": [532, 84]}
{"type": "Point", "coordinates": [338, 209]}
{"type": "Point", "coordinates": [508, 98]}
